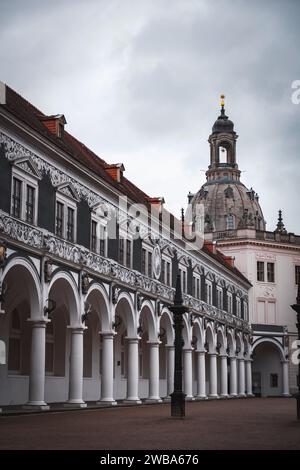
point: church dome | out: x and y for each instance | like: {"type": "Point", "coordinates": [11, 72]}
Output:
{"type": "Point", "coordinates": [228, 205]}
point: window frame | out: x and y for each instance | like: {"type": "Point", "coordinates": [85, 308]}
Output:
{"type": "Point", "coordinates": [146, 250]}
{"type": "Point", "coordinates": [220, 298]}
{"type": "Point", "coordinates": [26, 180]}
{"type": "Point", "coordinates": [230, 303]}
{"type": "Point", "coordinates": [208, 292]}
{"type": "Point", "coordinates": [101, 230]}
{"type": "Point", "coordinates": [125, 236]}
{"type": "Point", "coordinates": [167, 263]}
{"type": "Point", "coordinates": [67, 203]}
{"type": "Point", "coordinates": [182, 269]}
{"type": "Point", "coordinates": [260, 271]}
{"type": "Point", "coordinates": [271, 263]}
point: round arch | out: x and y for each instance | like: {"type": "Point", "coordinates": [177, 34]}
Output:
{"type": "Point", "coordinates": [63, 290]}
{"type": "Point", "coordinates": [210, 339]}
{"type": "Point", "coordinates": [268, 341]}
{"type": "Point", "coordinates": [147, 315]}
{"type": "Point", "coordinates": [98, 298]}
{"type": "Point", "coordinates": [199, 334]}
{"type": "Point", "coordinates": [166, 322]}
{"type": "Point", "coordinates": [125, 309]}
{"type": "Point", "coordinates": [221, 340]}
{"type": "Point", "coordinates": [24, 275]}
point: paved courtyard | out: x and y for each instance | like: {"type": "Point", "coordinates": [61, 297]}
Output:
{"type": "Point", "coordinates": [232, 424]}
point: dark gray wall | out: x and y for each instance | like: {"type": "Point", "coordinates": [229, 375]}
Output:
{"type": "Point", "coordinates": [83, 224]}
{"type": "Point", "coordinates": [46, 204]}
{"type": "Point", "coordinates": [5, 181]}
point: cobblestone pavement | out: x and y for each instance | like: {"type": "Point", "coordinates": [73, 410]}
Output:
{"type": "Point", "coordinates": [259, 423]}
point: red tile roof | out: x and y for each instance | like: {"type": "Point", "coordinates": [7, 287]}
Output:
{"type": "Point", "coordinates": [34, 118]}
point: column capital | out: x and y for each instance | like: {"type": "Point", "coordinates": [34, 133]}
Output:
{"type": "Point", "coordinates": [187, 349]}
{"type": "Point", "coordinates": [41, 323]}
{"type": "Point", "coordinates": [223, 356]}
{"type": "Point", "coordinates": [200, 351]}
{"type": "Point", "coordinates": [132, 340]}
{"type": "Point", "coordinates": [212, 354]}
{"type": "Point", "coordinates": [107, 334]}
{"type": "Point", "coordinates": [170, 347]}
{"type": "Point", "coordinates": [76, 329]}
{"type": "Point", "coordinates": [154, 343]}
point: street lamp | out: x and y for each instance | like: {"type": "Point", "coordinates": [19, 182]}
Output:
{"type": "Point", "coordinates": [178, 397]}
{"type": "Point", "coordinates": [296, 307]}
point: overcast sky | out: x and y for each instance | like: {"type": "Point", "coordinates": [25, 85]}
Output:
{"type": "Point", "coordinates": [139, 83]}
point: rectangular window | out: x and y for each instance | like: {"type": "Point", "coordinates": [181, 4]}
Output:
{"type": "Point", "coordinates": [143, 261]}
{"type": "Point", "coordinates": [260, 271]}
{"type": "Point", "coordinates": [128, 253]}
{"type": "Point", "coordinates": [121, 250]}
{"type": "Point", "coordinates": [208, 288]}
{"type": "Point", "coordinates": [194, 293]}
{"type": "Point", "coordinates": [168, 273]}
{"type": "Point", "coordinates": [94, 236]}
{"type": "Point", "coordinates": [149, 264]}
{"type": "Point", "coordinates": [16, 199]}
{"type": "Point", "coordinates": [273, 380]}
{"type": "Point", "coordinates": [229, 301]}
{"type": "Point", "coordinates": [297, 274]}
{"type": "Point", "coordinates": [30, 204]}
{"type": "Point", "coordinates": [270, 272]}
{"type": "Point", "coordinates": [14, 354]}
{"type": "Point", "coordinates": [163, 271]}
{"type": "Point", "coordinates": [220, 299]}
{"type": "Point", "coordinates": [70, 225]}
{"type": "Point", "coordinates": [102, 240]}
{"type": "Point", "coordinates": [59, 225]}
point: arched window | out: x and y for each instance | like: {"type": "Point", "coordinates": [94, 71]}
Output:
{"type": "Point", "coordinates": [222, 154]}
{"type": "Point", "coordinates": [14, 345]}
{"type": "Point", "coordinates": [230, 222]}
{"type": "Point", "coordinates": [49, 354]}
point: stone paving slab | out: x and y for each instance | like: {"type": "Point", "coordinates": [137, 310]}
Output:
{"type": "Point", "coordinates": [258, 423]}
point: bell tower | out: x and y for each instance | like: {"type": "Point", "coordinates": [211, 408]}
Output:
{"type": "Point", "coordinates": [222, 142]}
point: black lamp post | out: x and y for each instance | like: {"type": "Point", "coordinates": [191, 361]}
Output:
{"type": "Point", "coordinates": [296, 307]}
{"type": "Point", "coordinates": [178, 397]}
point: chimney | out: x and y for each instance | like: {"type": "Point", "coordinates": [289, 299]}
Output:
{"type": "Point", "coordinates": [115, 171]}
{"type": "Point", "coordinates": [55, 124]}
{"type": "Point", "coordinates": [157, 202]}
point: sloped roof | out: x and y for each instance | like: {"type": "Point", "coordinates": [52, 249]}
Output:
{"type": "Point", "coordinates": [33, 117]}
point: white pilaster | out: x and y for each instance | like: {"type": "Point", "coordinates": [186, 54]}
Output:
{"type": "Point", "coordinates": [224, 377]}
{"type": "Point", "coordinates": [285, 379]}
{"type": "Point", "coordinates": [37, 366]}
{"type": "Point", "coordinates": [107, 369]}
{"type": "Point", "coordinates": [188, 374]}
{"type": "Point", "coordinates": [76, 369]}
{"type": "Point", "coordinates": [248, 365]}
{"type": "Point", "coordinates": [213, 390]}
{"type": "Point", "coordinates": [201, 390]}
{"type": "Point", "coordinates": [233, 377]}
{"type": "Point", "coordinates": [133, 372]}
{"type": "Point", "coordinates": [241, 378]}
{"type": "Point", "coordinates": [154, 372]}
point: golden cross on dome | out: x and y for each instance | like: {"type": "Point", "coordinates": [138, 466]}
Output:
{"type": "Point", "coordinates": [222, 102]}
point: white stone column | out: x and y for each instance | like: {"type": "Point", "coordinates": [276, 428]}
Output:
{"type": "Point", "coordinates": [201, 389]}
{"type": "Point", "coordinates": [133, 371]}
{"type": "Point", "coordinates": [248, 365]}
{"type": "Point", "coordinates": [242, 378]}
{"type": "Point", "coordinates": [37, 366]}
{"type": "Point", "coordinates": [224, 376]}
{"type": "Point", "coordinates": [233, 377]}
{"type": "Point", "coordinates": [154, 372]}
{"type": "Point", "coordinates": [285, 379]}
{"type": "Point", "coordinates": [188, 374]}
{"type": "Point", "coordinates": [107, 369]}
{"type": "Point", "coordinates": [76, 369]}
{"type": "Point", "coordinates": [213, 377]}
{"type": "Point", "coordinates": [170, 352]}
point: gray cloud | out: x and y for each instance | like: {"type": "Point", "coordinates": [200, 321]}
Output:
{"type": "Point", "coordinates": [139, 81]}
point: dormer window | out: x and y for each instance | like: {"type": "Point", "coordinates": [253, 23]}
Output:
{"type": "Point", "coordinates": [230, 222]}
{"type": "Point", "coordinates": [55, 124]}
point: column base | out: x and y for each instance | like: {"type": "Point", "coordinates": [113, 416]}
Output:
{"type": "Point", "coordinates": [106, 402]}
{"type": "Point", "coordinates": [233, 395]}
{"type": "Point", "coordinates": [189, 398]}
{"type": "Point", "coordinates": [250, 395]}
{"type": "Point", "coordinates": [286, 395]}
{"type": "Point", "coordinates": [70, 404]}
{"type": "Point", "coordinates": [213, 397]}
{"type": "Point", "coordinates": [201, 397]}
{"type": "Point", "coordinates": [132, 401]}
{"type": "Point", "coordinates": [153, 400]}
{"type": "Point", "coordinates": [224, 397]}
{"type": "Point", "coordinates": [36, 405]}
{"type": "Point", "coordinates": [167, 399]}
{"type": "Point", "coordinates": [242, 395]}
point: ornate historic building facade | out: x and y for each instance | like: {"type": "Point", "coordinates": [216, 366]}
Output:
{"type": "Point", "coordinates": [86, 287]}
{"type": "Point", "coordinates": [233, 221]}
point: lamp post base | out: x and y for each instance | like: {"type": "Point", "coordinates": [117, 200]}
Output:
{"type": "Point", "coordinates": [178, 405]}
